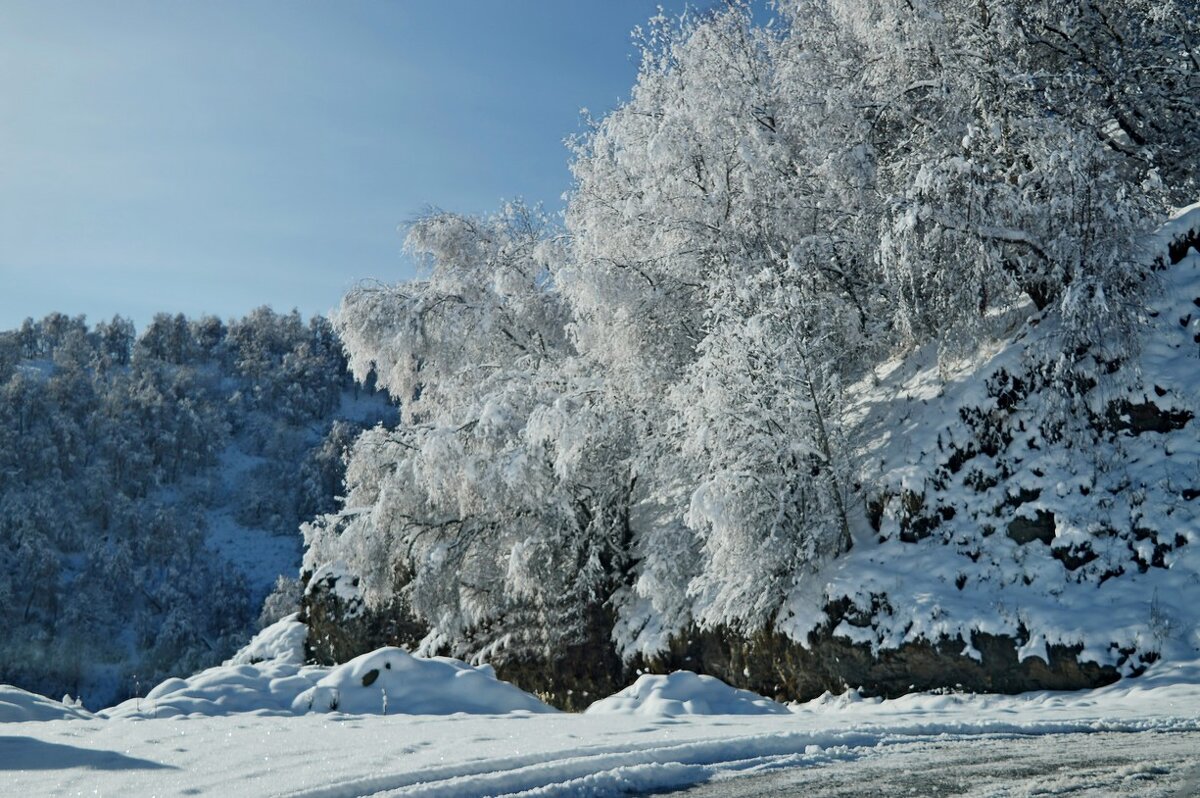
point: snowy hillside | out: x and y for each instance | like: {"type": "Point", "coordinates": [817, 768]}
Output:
{"type": "Point", "coordinates": [997, 507]}
{"type": "Point", "coordinates": [152, 486]}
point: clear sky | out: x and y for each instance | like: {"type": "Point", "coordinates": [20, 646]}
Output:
{"type": "Point", "coordinates": [178, 155]}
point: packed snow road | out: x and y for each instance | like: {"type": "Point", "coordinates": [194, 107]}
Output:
{"type": "Point", "coordinates": [1146, 764]}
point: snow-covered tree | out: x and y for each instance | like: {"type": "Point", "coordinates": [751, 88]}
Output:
{"type": "Point", "coordinates": [723, 294]}
{"type": "Point", "coordinates": [468, 508]}
{"type": "Point", "coordinates": [645, 412]}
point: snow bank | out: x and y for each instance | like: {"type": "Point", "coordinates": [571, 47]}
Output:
{"type": "Point", "coordinates": [685, 693]}
{"type": "Point", "coordinates": [262, 689]}
{"type": "Point", "coordinates": [282, 641]}
{"type": "Point", "coordinates": [1169, 693]}
{"type": "Point", "coordinates": [18, 706]}
{"type": "Point", "coordinates": [390, 680]}
{"type": "Point", "coordinates": [385, 681]}
{"type": "Point", "coordinates": [563, 754]}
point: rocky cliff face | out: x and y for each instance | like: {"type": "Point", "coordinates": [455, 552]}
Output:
{"type": "Point", "coordinates": [769, 663]}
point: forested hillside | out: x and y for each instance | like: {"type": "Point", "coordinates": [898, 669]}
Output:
{"type": "Point", "coordinates": [151, 489]}
{"type": "Point", "coordinates": [853, 338]}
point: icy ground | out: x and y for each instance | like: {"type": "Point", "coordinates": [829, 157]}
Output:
{"type": "Point", "coordinates": [1137, 737]}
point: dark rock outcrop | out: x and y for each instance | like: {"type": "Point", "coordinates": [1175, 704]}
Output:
{"type": "Point", "coordinates": [575, 675]}
{"type": "Point", "coordinates": [770, 663]}
{"type": "Point", "coordinates": [1026, 530]}
{"type": "Point", "coordinates": [1138, 419]}
{"type": "Point", "coordinates": [1177, 250]}
{"type": "Point", "coordinates": [339, 630]}
{"type": "Point", "coordinates": [774, 665]}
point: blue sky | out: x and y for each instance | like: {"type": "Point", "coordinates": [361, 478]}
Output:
{"type": "Point", "coordinates": [181, 156]}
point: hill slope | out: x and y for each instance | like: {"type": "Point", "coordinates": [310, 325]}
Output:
{"type": "Point", "coordinates": [999, 507]}
{"type": "Point", "coordinates": [151, 489]}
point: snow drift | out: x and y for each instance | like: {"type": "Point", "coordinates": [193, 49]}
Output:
{"type": "Point", "coordinates": [282, 641]}
{"type": "Point", "coordinates": [390, 680]}
{"type": "Point", "coordinates": [685, 693]}
{"type": "Point", "coordinates": [20, 706]}
{"type": "Point", "coordinates": [267, 678]}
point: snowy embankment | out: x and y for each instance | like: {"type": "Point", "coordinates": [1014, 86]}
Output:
{"type": "Point", "coordinates": [248, 728]}
{"type": "Point", "coordinates": [17, 706]}
{"type": "Point", "coordinates": [684, 693]}
{"type": "Point", "coordinates": [986, 522]}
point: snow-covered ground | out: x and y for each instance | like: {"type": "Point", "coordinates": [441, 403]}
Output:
{"type": "Point", "coordinates": [241, 735]}
{"type": "Point", "coordinates": [562, 754]}
{"type": "Point", "coordinates": [346, 755]}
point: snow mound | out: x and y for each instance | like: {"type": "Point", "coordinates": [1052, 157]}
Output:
{"type": "Point", "coordinates": [282, 641]}
{"type": "Point", "coordinates": [261, 689]}
{"type": "Point", "coordinates": [18, 706]}
{"type": "Point", "coordinates": [390, 680]}
{"type": "Point", "coordinates": [411, 685]}
{"type": "Point", "coordinates": [685, 693]}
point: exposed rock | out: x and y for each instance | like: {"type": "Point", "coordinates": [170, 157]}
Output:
{"type": "Point", "coordinates": [768, 663]}
{"type": "Point", "coordinates": [1076, 556]}
{"type": "Point", "coordinates": [339, 632]}
{"type": "Point", "coordinates": [1024, 496]}
{"type": "Point", "coordinates": [916, 521]}
{"type": "Point", "coordinates": [773, 665]}
{"type": "Point", "coordinates": [1145, 417]}
{"type": "Point", "coordinates": [1177, 250]}
{"type": "Point", "coordinates": [1026, 530]}
{"type": "Point", "coordinates": [577, 674]}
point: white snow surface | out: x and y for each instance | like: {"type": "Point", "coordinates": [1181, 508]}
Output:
{"type": "Point", "coordinates": [20, 706]}
{"type": "Point", "coordinates": [684, 693]}
{"type": "Point", "coordinates": [523, 753]}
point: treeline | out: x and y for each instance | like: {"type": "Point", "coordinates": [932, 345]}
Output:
{"type": "Point", "coordinates": [114, 452]}
{"type": "Point", "coordinates": [639, 423]}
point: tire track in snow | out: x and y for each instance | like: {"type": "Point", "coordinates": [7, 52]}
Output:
{"type": "Point", "coordinates": [622, 769]}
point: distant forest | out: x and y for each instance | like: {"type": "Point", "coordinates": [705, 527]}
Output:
{"type": "Point", "coordinates": [116, 453]}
